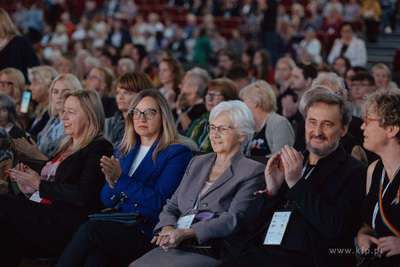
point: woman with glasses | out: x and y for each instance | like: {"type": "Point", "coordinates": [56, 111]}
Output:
{"type": "Point", "coordinates": [144, 172]}
{"type": "Point", "coordinates": [126, 87]}
{"type": "Point", "coordinates": [218, 185]}
{"type": "Point", "coordinates": [12, 83]}
{"type": "Point", "coordinates": [379, 238]}
{"type": "Point", "coordinates": [217, 90]}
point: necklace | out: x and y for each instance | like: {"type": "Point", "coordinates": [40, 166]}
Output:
{"type": "Point", "coordinates": [3, 42]}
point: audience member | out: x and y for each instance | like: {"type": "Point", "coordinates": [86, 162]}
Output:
{"type": "Point", "coordinates": [240, 77]}
{"type": "Point", "coordinates": [272, 131]}
{"type": "Point", "coordinates": [40, 79]}
{"type": "Point", "coordinates": [321, 190]}
{"type": "Point", "coordinates": [171, 74]}
{"type": "Point", "coordinates": [283, 73]}
{"type": "Point", "coordinates": [309, 49]}
{"type": "Point", "coordinates": [383, 76]}
{"type": "Point", "coordinates": [350, 73]}
{"type": "Point", "coordinates": [144, 172]}
{"type": "Point", "coordinates": [12, 83]}
{"type": "Point", "coordinates": [126, 87]}
{"type": "Point", "coordinates": [15, 50]}
{"type": "Point", "coordinates": [53, 132]}
{"type": "Point", "coordinates": [371, 12]}
{"type": "Point", "coordinates": [202, 49]}
{"type": "Point", "coordinates": [60, 199]}
{"type": "Point", "coordinates": [262, 69]}
{"type": "Point", "coordinates": [101, 80]}
{"type": "Point", "coordinates": [362, 83]}
{"type": "Point", "coordinates": [190, 103]}
{"type": "Point", "coordinates": [351, 10]}
{"type": "Point", "coordinates": [379, 238]}
{"type": "Point", "coordinates": [8, 117]}
{"type": "Point", "coordinates": [226, 59]}
{"type": "Point", "coordinates": [224, 193]}
{"type": "Point", "coordinates": [340, 65]}
{"type": "Point", "coordinates": [218, 90]}
{"type": "Point", "coordinates": [352, 140]}
{"type": "Point", "coordinates": [349, 45]}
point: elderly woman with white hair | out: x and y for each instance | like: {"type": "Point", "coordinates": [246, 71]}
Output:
{"type": "Point", "coordinates": [214, 199]}
{"type": "Point", "coordinates": [273, 131]}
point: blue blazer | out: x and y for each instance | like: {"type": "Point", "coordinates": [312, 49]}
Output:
{"type": "Point", "coordinates": [147, 190]}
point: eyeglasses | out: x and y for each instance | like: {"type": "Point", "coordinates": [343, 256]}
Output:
{"type": "Point", "coordinates": [366, 119]}
{"type": "Point", "coordinates": [222, 129]}
{"type": "Point", "coordinates": [215, 95]}
{"type": "Point", "coordinates": [6, 83]}
{"type": "Point", "coordinates": [148, 114]}
{"type": "Point", "coordinates": [91, 77]}
{"type": "Point", "coordinates": [359, 84]}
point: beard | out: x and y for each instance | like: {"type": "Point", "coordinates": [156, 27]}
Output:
{"type": "Point", "coordinates": [322, 152]}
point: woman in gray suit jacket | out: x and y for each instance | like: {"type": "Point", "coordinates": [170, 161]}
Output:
{"type": "Point", "coordinates": [221, 183]}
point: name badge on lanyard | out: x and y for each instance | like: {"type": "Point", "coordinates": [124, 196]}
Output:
{"type": "Point", "coordinates": [277, 228]}
{"type": "Point", "coordinates": [185, 222]}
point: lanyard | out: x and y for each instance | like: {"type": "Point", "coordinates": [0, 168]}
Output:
{"type": "Point", "coordinates": [379, 205]}
{"type": "Point", "coordinates": [304, 169]}
{"type": "Point", "coordinates": [199, 196]}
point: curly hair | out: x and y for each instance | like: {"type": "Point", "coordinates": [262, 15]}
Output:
{"type": "Point", "coordinates": [386, 105]}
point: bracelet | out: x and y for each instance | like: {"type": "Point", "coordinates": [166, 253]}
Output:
{"type": "Point", "coordinates": [262, 192]}
{"type": "Point", "coordinates": [179, 111]}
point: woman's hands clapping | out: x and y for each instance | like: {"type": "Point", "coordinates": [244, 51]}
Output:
{"type": "Point", "coordinates": [27, 179]}
{"type": "Point", "coordinates": [111, 169]}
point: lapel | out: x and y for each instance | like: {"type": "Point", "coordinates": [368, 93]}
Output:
{"type": "Point", "coordinates": [225, 176]}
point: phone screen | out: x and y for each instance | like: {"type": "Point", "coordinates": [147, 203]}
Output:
{"type": "Point", "coordinates": [26, 97]}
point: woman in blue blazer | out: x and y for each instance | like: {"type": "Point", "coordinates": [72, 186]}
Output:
{"type": "Point", "coordinates": [144, 172]}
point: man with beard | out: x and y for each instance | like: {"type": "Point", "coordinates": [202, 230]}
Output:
{"type": "Point", "coordinates": [309, 211]}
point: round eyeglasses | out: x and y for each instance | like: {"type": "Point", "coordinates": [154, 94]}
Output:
{"type": "Point", "coordinates": [148, 114]}
{"type": "Point", "coordinates": [222, 129]}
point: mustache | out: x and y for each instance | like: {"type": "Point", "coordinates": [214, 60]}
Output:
{"type": "Point", "coordinates": [322, 137]}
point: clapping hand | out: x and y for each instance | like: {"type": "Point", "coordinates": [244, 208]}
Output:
{"type": "Point", "coordinates": [111, 169]}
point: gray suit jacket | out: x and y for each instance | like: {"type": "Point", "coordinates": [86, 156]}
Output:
{"type": "Point", "coordinates": [230, 197]}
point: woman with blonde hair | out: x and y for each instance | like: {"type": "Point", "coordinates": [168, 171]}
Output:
{"type": "Point", "coordinates": [273, 131]}
{"type": "Point", "coordinates": [49, 138]}
{"type": "Point", "coordinates": [40, 79]}
{"type": "Point", "coordinates": [12, 83]}
{"type": "Point", "coordinates": [144, 172]}
{"type": "Point", "coordinates": [15, 50]}
{"type": "Point", "coordinates": [383, 76]}
{"type": "Point", "coordinates": [66, 191]}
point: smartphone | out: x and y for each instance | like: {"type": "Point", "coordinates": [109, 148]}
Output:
{"type": "Point", "coordinates": [26, 98]}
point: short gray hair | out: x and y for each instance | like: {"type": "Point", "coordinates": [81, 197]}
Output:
{"type": "Point", "coordinates": [199, 77]}
{"type": "Point", "coordinates": [331, 80]}
{"type": "Point", "coordinates": [316, 89]}
{"type": "Point", "coordinates": [240, 115]}
{"type": "Point", "coordinates": [331, 99]}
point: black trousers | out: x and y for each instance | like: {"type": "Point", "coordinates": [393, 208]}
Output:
{"type": "Point", "coordinates": [270, 256]}
{"type": "Point", "coordinates": [27, 229]}
{"type": "Point", "coordinates": [104, 243]}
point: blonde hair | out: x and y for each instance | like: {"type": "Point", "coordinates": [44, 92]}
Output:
{"type": "Point", "coordinates": [72, 84]}
{"type": "Point", "coordinates": [384, 67]}
{"type": "Point", "coordinates": [262, 94]}
{"type": "Point", "coordinates": [17, 78]}
{"type": "Point", "coordinates": [7, 28]}
{"type": "Point", "coordinates": [90, 102]}
{"type": "Point", "coordinates": [43, 75]}
{"type": "Point", "coordinates": [168, 133]}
